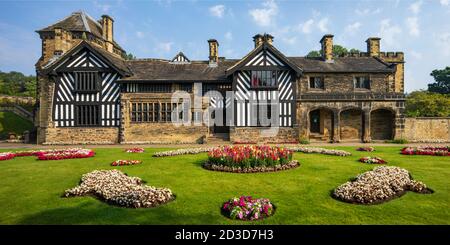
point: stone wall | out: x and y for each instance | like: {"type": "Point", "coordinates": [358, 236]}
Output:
{"type": "Point", "coordinates": [381, 124]}
{"type": "Point", "coordinates": [81, 135]}
{"type": "Point", "coordinates": [427, 129]}
{"type": "Point", "coordinates": [263, 135]}
{"type": "Point", "coordinates": [351, 125]}
{"type": "Point", "coordinates": [343, 83]}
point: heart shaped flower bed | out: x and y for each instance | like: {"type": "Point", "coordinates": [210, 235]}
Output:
{"type": "Point", "coordinates": [248, 208]}
{"type": "Point", "coordinates": [65, 154]}
{"type": "Point", "coordinates": [117, 188]}
{"type": "Point", "coordinates": [249, 159]}
{"type": "Point", "coordinates": [379, 185]}
{"type": "Point", "coordinates": [372, 160]}
{"type": "Point", "coordinates": [135, 150]}
{"type": "Point", "coordinates": [125, 162]}
{"type": "Point", "coordinates": [427, 150]}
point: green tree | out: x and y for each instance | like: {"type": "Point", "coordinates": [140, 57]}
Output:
{"type": "Point", "coordinates": [16, 83]}
{"type": "Point", "coordinates": [427, 104]}
{"type": "Point", "coordinates": [338, 51]}
{"type": "Point", "coordinates": [128, 56]}
{"type": "Point", "coordinates": [442, 81]}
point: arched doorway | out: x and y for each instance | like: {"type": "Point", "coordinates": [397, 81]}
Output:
{"type": "Point", "coordinates": [382, 124]}
{"type": "Point", "coordinates": [351, 124]}
{"type": "Point", "coordinates": [321, 124]}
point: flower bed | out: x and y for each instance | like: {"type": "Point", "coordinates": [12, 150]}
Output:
{"type": "Point", "coordinates": [135, 150]}
{"type": "Point", "coordinates": [369, 149]}
{"type": "Point", "coordinates": [182, 152]}
{"type": "Point", "coordinates": [117, 188]}
{"type": "Point", "coordinates": [379, 185]}
{"type": "Point", "coordinates": [320, 151]}
{"type": "Point", "coordinates": [125, 162]}
{"type": "Point", "coordinates": [6, 156]}
{"type": "Point", "coordinates": [372, 160]}
{"type": "Point", "coordinates": [427, 150]}
{"type": "Point", "coordinates": [65, 154]}
{"type": "Point", "coordinates": [248, 208]}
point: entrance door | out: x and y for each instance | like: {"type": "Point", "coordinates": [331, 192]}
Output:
{"type": "Point", "coordinates": [314, 118]}
{"type": "Point", "coordinates": [220, 127]}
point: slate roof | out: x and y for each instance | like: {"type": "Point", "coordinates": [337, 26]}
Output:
{"type": "Point", "coordinates": [79, 21]}
{"type": "Point", "coordinates": [342, 64]}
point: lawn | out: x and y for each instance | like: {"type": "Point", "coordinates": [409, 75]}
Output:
{"type": "Point", "coordinates": [10, 122]}
{"type": "Point", "coordinates": [30, 190]}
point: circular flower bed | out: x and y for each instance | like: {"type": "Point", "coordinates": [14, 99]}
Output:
{"type": "Point", "coordinates": [125, 162]}
{"type": "Point", "coordinates": [182, 152]}
{"type": "Point", "coordinates": [372, 160]}
{"type": "Point", "coordinates": [379, 185]}
{"type": "Point", "coordinates": [427, 150]}
{"type": "Point", "coordinates": [65, 154]}
{"type": "Point", "coordinates": [320, 151]}
{"type": "Point", "coordinates": [248, 208]}
{"type": "Point", "coordinates": [249, 159]}
{"type": "Point", "coordinates": [6, 156]}
{"type": "Point", "coordinates": [369, 149]}
{"type": "Point", "coordinates": [135, 150]}
{"type": "Point", "coordinates": [117, 188]}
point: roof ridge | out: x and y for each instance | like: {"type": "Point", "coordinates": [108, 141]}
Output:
{"type": "Point", "coordinates": [83, 18]}
{"type": "Point", "coordinates": [93, 20]}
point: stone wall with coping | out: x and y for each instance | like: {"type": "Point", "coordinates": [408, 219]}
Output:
{"type": "Point", "coordinates": [260, 135]}
{"type": "Point", "coordinates": [427, 129]}
{"type": "Point", "coordinates": [81, 135]}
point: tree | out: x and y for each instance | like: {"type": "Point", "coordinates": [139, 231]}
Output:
{"type": "Point", "coordinates": [442, 81]}
{"type": "Point", "coordinates": [338, 51]}
{"type": "Point", "coordinates": [128, 56]}
{"type": "Point", "coordinates": [427, 104]}
{"type": "Point", "coordinates": [16, 83]}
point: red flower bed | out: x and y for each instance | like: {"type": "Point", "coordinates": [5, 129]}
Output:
{"type": "Point", "coordinates": [65, 154]}
{"type": "Point", "coordinates": [249, 156]}
{"type": "Point", "coordinates": [372, 160]}
{"type": "Point", "coordinates": [427, 150]}
{"type": "Point", "coordinates": [369, 149]}
{"type": "Point", "coordinates": [135, 150]}
{"type": "Point", "coordinates": [6, 156]}
{"type": "Point", "coordinates": [248, 208]}
{"type": "Point", "coordinates": [244, 143]}
{"type": "Point", "coordinates": [125, 162]}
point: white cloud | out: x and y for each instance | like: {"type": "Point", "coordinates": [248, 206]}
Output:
{"type": "Point", "coordinates": [443, 42]}
{"type": "Point", "coordinates": [389, 32]}
{"type": "Point", "coordinates": [264, 16]}
{"type": "Point", "coordinates": [416, 54]}
{"type": "Point", "coordinates": [353, 27]}
{"type": "Point", "coordinates": [140, 34]}
{"type": "Point", "coordinates": [415, 7]}
{"type": "Point", "coordinates": [164, 46]}
{"type": "Point", "coordinates": [445, 2]}
{"type": "Point", "coordinates": [217, 10]}
{"type": "Point", "coordinates": [102, 6]}
{"type": "Point", "coordinates": [306, 27]}
{"type": "Point", "coordinates": [413, 25]}
{"type": "Point", "coordinates": [322, 25]}
{"type": "Point", "coordinates": [289, 40]}
{"type": "Point", "coordinates": [229, 35]}
{"type": "Point", "coordinates": [367, 11]}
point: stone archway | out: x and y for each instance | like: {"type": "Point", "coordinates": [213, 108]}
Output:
{"type": "Point", "coordinates": [320, 124]}
{"type": "Point", "coordinates": [351, 124]}
{"type": "Point", "coordinates": [382, 124]}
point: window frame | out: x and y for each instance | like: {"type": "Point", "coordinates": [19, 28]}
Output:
{"type": "Point", "coordinates": [96, 113]}
{"type": "Point", "coordinates": [367, 82]}
{"type": "Point", "coordinates": [264, 87]}
{"type": "Point", "coordinates": [153, 112]}
{"type": "Point", "coordinates": [96, 86]}
{"type": "Point", "coordinates": [316, 88]}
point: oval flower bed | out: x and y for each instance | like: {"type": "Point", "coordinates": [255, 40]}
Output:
{"type": "Point", "coordinates": [125, 162]}
{"type": "Point", "coordinates": [250, 159]}
{"type": "Point", "coordinates": [65, 154]}
{"type": "Point", "coordinates": [248, 208]}
{"type": "Point", "coordinates": [135, 150]}
{"type": "Point", "coordinates": [372, 160]}
{"type": "Point", "coordinates": [368, 149]}
{"type": "Point", "coordinates": [6, 156]}
{"type": "Point", "coordinates": [427, 150]}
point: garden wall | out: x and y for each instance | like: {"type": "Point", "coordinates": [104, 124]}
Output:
{"type": "Point", "coordinates": [162, 133]}
{"type": "Point", "coordinates": [255, 134]}
{"type": "Point", "coordinates": [75, 135]}
{"type": "Point", "coordinates": [427, 129]}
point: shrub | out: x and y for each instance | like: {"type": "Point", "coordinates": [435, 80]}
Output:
{"type": "Point", "coordinates": [248, 208]}
{"type": "Point", "coordinates": [398, 141]}
{"type": "Point", "coordinates": [304, 141]}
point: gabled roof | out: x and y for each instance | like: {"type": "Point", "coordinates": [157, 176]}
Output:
{"type": "Point", "coordinates": [78, 21]}
{"type": "Point", "coordinates": [342, 64]}
{"type": "Point", "coordinates": [264, 46]}
{"type": "Point", "coordinates": [117, 63]}
{"type": "Point", "coordinates": [180, 58]}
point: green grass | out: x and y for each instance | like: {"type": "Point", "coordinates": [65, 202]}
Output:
{"type": "Point", "coordinates": [10, 122]}
{"type": "Point", "coordinates": [30, 191]}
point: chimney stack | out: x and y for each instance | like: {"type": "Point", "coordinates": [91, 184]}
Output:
{"type": "Point", "coordinates": [373, 46]}
{"type": "Point", "coordinates": [327, 47]}
{"type": "Point", "coordinates": [268, 38]}
{"type": "Point", "coordinates": [107, 29]}
{"type": "Point", "coordinates": [213, 52]}
{"type": "Point", "coordinates": [258, 39]}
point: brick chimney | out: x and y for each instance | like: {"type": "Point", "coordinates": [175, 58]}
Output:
{"type": "Point", "coordinates": [107, 29]}
{"type": "Point", "coordinates": [213, 52]}
{"type": "Point", "coordinates": [327, 47]}
{"type": "Point", "coordinates": [373, 46]}
{"type": "Point", "coordinates": [258, 39]}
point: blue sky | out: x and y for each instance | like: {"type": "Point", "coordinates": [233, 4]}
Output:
{"type": "Point", "coordinates": [159, 29]}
